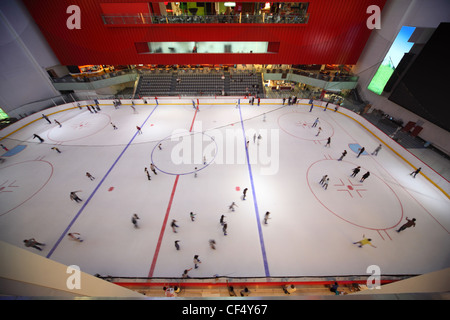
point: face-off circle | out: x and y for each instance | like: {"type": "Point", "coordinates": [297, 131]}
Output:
{"type": "Point", "coordinates": [305, 126]}
{"type": "Point", "coordinates": [182, 152]}
{"type": "Point", "coordinates": [79, 127]}
{"type": "Point", "coordinates": [371, 204]}
{"type": "Point", "coordinates": [21, 181]}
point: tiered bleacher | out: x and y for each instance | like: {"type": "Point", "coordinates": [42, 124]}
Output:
{"type": "Point", "coordinates": [200, 83]}
{"type": "Point", "coordinates": [155, 84]}
{"type": "Point", "coordinates": [244, 83]}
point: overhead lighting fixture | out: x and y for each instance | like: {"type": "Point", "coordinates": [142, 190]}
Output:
{"type": "Point", "coordinates": [230, 4]}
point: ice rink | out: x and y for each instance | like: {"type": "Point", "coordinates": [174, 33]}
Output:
{"type": "Point", "coordinates": [203, 163]}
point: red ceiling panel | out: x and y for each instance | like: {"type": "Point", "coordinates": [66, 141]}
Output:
{"type": "Point", "coordinates": [335, 34]}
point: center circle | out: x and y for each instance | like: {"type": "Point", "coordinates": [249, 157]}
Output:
{"type": "Point", "coordinates": [183, 151]}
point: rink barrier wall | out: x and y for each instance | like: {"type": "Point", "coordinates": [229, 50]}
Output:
{"type": "Point", "coordinates": [427, 172]}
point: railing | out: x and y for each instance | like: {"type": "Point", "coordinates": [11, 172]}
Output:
{"type": "Point", "coordinates": [315, 75]}
{"type": "Point", "coordinates": [300, 18]}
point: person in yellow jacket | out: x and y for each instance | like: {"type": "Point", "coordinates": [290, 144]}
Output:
{"type": "Point", "coordinates": [363, 242]}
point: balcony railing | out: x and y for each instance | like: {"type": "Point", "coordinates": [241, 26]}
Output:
{"type": "Point", "coordinates": [143, 19]}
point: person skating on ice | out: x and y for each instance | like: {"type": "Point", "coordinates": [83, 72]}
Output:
{"type": "Point", "coordinates": [73, 196]}
{"type": "Point", "coordinates": [46, 118]}
{"type": "Point", "coordinates": [58, 123]}
{"type": "Point", "coordinates": [192, 216]}
{"type": "Point", "coordinates": [318, 131]}
{"type": "Point", "coordinates": [89, 176]}
{"type": "Point", "coordinates": [266, 217]}
{"type": "Point", "coordinates": [185, 273]}
{"type": "Point", "coordinates": [323, 179]}
{"type": "Point", "coordinates": [356, 171]}
{"type": "Point", "coordinates": [328, 144]}
{"type": "Point", "coordinates": [315, 123]}
{"type": "Point", "coordinates": [196, 261]}
{"type": "Point", "coordinates": [232, 205]}
{"type": "Point", "coordinates": [361, 150]}
{"type": "Point", "coordinates": [32, 243]}
{"type": "Point", "coordinates": [410, 223]}
{"type": "Point", "coordinates": [174, 225]}
{"type": "Point", "coordinates": [224, 229]}
{"type": "Point", "coordinates": [222, 217]}
{"type": "Point", "coordinates": [244, 193]}
{"type": "Point", "coordinates": [148, 173]}
{"type": "Point", "coordinates": [177, 246]}
{"type": "Point", "coordinates": [325, 183]}
{"type": "Point", "coordinates": [415, 172]}
{"type": "Point", "coordinates": [365, 176]}
{"type": "Point", "coordinates": [153, 168]}
{"type": "Point", "coordinates": [75, 236]}
{"type": "Point", "coordinates": [134, 220]}
{"type": "Point", "coordinates": [39, 138]}
{"type": "Point", "coordinates": [56, 149]}
{"type": "Point", "coordinates": [375, 152]}
{"type": "Point", "coordinates": [343, 155]}
{"type": "Point", "coordinates": [212, 244]}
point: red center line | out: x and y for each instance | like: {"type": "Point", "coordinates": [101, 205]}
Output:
{"type": "Point", "coordinates": [166, 217]}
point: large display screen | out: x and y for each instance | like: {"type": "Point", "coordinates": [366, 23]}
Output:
{"type": "Point", "coordinates": [399, 47]}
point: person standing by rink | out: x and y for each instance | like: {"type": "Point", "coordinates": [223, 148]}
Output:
{"type": "Point", "coordinates": [414, 173]}
{"type": "Point", "coordinates": [311, 102]}
{"type": "Point", "coordinates": [410, 223]}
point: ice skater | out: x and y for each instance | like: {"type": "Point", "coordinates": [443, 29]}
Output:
{"type": "Point", "coordinates": [361, 150]}
{"type": "Point", "coordinates": [224, 229]}
{"type": "Point", "coordinates": [244, 194]}
{"type": "Point", "coordinates": [212, 244]}
{"type": "Point", "coordinates": [75, 236]}
{"type": "Point", "coordinates": [174, 225]}
{"type": "Point", "coordinates": [185, 273]}
{"type": "Point", "coordinates": [56, 149]}
{"type": "Point", "coordinates": [311, 102]}
{"type": "Point", "coordinates": [73, 196]}
{"type": "Point", "coordinates": [196, 261]}
{"type": "Point", "coordinates": [365, 176]}
{"type": "Point", "coordinates": [315, 123]}
{"type": "Point", "coordinates": [325, 183]}
{"type": "Point", "coordinates": [159, 146]}
{"type": "Point", "coordinates": [114, 126]}
{"type": "Point", "coordinates": [318, 131]}
{"type": "Point", "coordinates": [192, 216]}
{"type": "Point", "coordinates": [232, 205]}
{"type": "Point", "coordinates": [148, 174]}
{"type": "Point", "coordinates": [415, 172]}
{"type": "Point", "coordinates": [375, 152]}
{"type": "Point", "coordinates": [134, 220]}
{"type": "Point", "coordinates": [153, 168]}
{"type": "Point", "coordinates": [36, 136]}
{"type": "Point", "coordinates": [410, 223]}
{"type": "Point", "coordinates": [363, 242]}
{"type": "Point", "coordinates": [139, 129]}
{"type": "Point", "coordinates": [323, 179]}
{"type": "Point", "coordinates": [177, 246]}
{"type": "Point", "coordinates": [33, 244]}
{"type": "Point", "coordinates": [46, 118]}
{"type": "Point", "coordinates": [195, 172]}
{"type": "Point", "coordinates": [58, 123]}
{"type": "Point", "coordinates": [343, 155]}
{"type": "Point", "coordinates": [328, 142]}
{"type": "Point", "coordinates": [266, 217]}
{"type": "Point", "coordinates": [222, 217]}
{"type": "Point", "coordinates": [90, 176]}
{"type": "Point", "coordinates": [355, 171]}
{"type": "Point", "coordinates": [4, 148]}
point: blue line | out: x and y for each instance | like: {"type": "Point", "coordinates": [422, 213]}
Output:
{"type": "Point", "coordinates": [261, 238]}
{"type": "Point", "coordinates": [95, 190]}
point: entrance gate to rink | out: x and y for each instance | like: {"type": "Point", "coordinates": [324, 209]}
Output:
{"type": "Point", "coordinates": [265, 286]}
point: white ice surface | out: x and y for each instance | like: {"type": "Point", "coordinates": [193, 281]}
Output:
{"type": "Point", "coordinates": [311, 230]}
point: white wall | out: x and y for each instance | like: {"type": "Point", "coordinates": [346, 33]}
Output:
{"type": "Point", "coordinates": [24, 55]}
{"type": "Point", "coordinates": [395, 14]}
